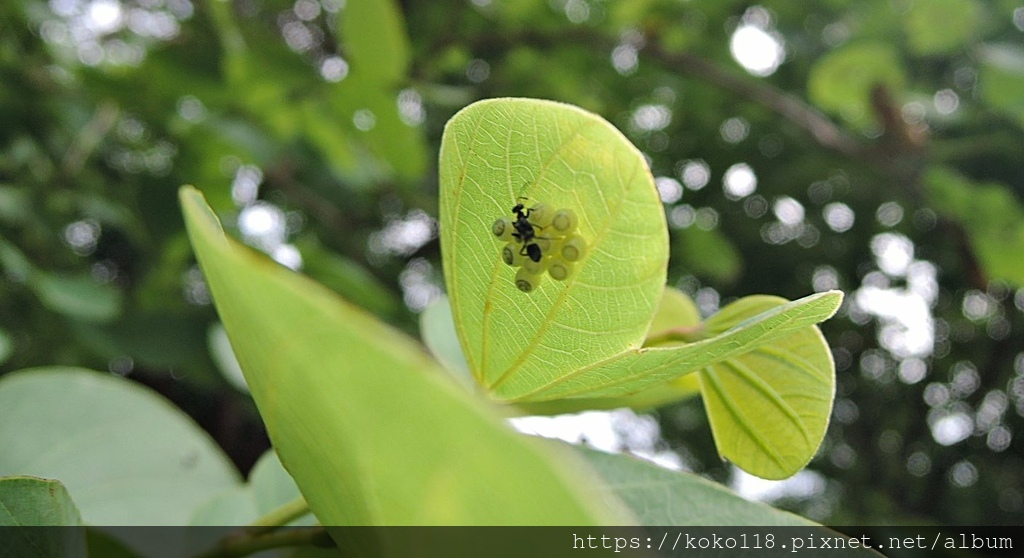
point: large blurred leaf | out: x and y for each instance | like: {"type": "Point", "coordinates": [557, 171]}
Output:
{"type": "Point", "coordinates": [437, 331]}
{"type": "Point", "coordinates": [6, 346]}
{"type": "Point", "coordinates": [34, 502]}
{"type": "Point", "coordinates": [76, 296]}
{"type": "Point", "coordinates": [1001, 79]}
{"type": "Point", "coordinates": [841, 81]}
{"type": "Point", "coordinates": [708, 254]}
{"type": "Point", "coordinates": [659, 496]}
{"type": "Point", "coordinates": [397, 144]}
{"type": "Point", "coordinates": [291, 99]}
{"type": "Point", "coordinates": [219, 347]}
{"type": "Point", "coordinates": [769, 407]}
{"type": "Point", "coordinates": [347, 278]}
{"type": "Point", "coordinates": [676, 310]}
{"type": "Point", "coordinates": [269, 488]}
{"type": "Point", "coordinates": [992, 216]}
{"type": "Point", "coordinates": [373, 35]}
{"type": "Point", "coordinates": [492, 153]}
{"type": "Point", "coordinates": [362, 418]}
{"type": "Point", "coordinates": [118, 447]}
{"type": "Point", "coordinates": [938, 26]}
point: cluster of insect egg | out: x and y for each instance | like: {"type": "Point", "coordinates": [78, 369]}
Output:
{"type": "Point", "coordinates": [555, 236]}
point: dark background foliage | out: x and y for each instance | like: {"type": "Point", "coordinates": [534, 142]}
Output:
{"type": "Point", "coordinates": [879, 154]}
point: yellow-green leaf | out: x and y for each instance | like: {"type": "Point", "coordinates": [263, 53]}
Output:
{"type": "Point", "coordinates": [939, 26]}
{"type": "Point", "coordinates": [365, 422]}
{"type": "Point", "coordinates": [27, 503]}
{"type": "Point", "coordinates": [373, 35]}
{"type": "Point", "coordinates": [992, 217]}
{"type": "Point", "coordinates": [494, 152]}
{"type": "Point", "coordinates": [769, 407]}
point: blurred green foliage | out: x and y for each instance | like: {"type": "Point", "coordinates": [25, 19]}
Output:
{"type": "Point", "coordinates": [881, 156]}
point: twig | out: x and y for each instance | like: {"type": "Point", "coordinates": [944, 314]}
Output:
{"type": "Point", "coordinates": [268, 532]}
{"type": "Point", "coordinates": [89, 138]}
{"type": "Point", "coordinates": [282, 515]}
{"type": "Point", "coordinates": [789, 106]}
{"type": "Point", "coordinates": [243, 544]}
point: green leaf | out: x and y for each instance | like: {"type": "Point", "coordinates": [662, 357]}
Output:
{"type": "Point", "coordinates": [118, 447]}
{"type": "Point", "coordinates": [437, 330]}
{"type": "Point", "coordinates": [769, 407]}
{"type": "Point", "coordinates": [633, 370]}
{"type": "Point", "coordinates": [34, 502]}
{"type": "Point", "coordinates": [223, 356]}
{"type": "Point", "coordinates": [708, 254]}
{"type": "Point", "coordinates": [676, 310]}
{"type": "Point", "coordinates": [291, 100]}
{"type": "Point", "coordinates": [235, 507]}
{"type": "Point", "coordinates": [373, 35]}
{"type": "Point", "coordinates": [577, 344]}
{"type": "Point", "coordinates": [841, 81]}
{"type": "Point", "coordinates": [6, 346]}
{"type": "Point", "coordinates": [77, 296]}
{"type": "Point", "coordinates": [16, 265]}
{"type": "Point", "coordinates": [939, 26]}
{"type": "Point", "coordinates": [494, 152]}
{"type": "Point", "coordinates": [399, 146]}
{"type": "Point", "coordinates": [272, 486]}
{"type": "Point", "coordinates": [1001, 79]}
{"type": "Point", "coordinates": [365, 422]}
{"type": "Point", "coordinates": [992, 217]}
{"type": "Point", "coordinates": [676, 314]}
{"type": "Point", "coordinates": [15, 205]}
{"type": "Point", "coordinates": [347, 278]}
{"type": "Point", "coordinates": [659, 496]}
{"type": "Point", "coordinates": [269, 487]}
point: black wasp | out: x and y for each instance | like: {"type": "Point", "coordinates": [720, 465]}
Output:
{"type": "Point", "coordinates": [524, 232]}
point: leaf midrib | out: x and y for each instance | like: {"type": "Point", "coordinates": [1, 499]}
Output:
{"type": "Point", "coordinates": [811, 307]}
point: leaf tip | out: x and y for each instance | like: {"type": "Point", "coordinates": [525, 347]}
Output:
{"type": "Point", "coordinates": [196, 211]}
{"type": "Point", "coordinates": [834, 299]}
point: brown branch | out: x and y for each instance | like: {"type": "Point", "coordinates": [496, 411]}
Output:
{"type": "Point", "coordinates": [787, 105]}
{"type": "Point", "coordinates": [243, 543]}
{"type": "Point", "coordinates": [824, 131]}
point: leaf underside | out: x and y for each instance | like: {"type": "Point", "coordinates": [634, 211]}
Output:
{"type": "Point", "coordinates": [494, 152]}
{"type": "Point", "coordinates": [359, 414]}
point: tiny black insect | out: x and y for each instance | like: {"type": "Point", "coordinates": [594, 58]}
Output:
{"type": "Point", "coordinates": [524, 232]}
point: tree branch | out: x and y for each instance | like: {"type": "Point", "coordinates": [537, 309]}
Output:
{"type": "Point", "coordinates": [824, 131]}
{"type": "Point", "coordinates": [243, 543]}
{"type": "Point", "coordinates": [789, 106]}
